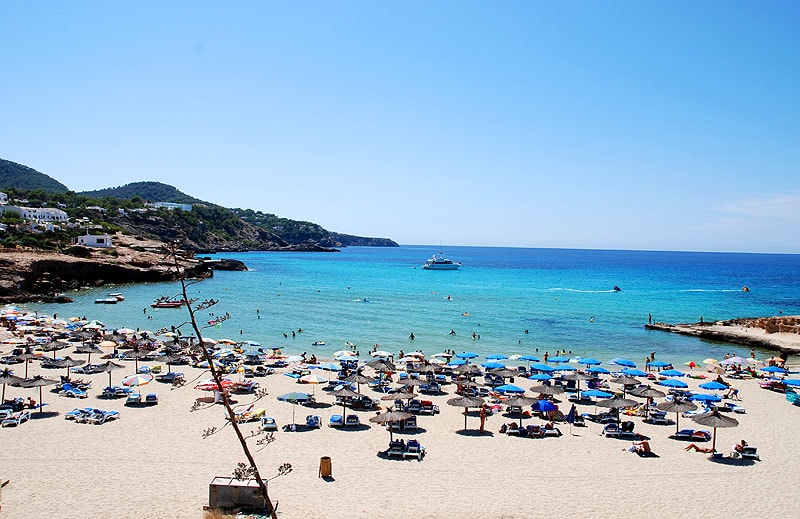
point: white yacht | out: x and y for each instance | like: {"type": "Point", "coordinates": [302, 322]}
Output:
{"type": "Point", "coordinates": [440, 263]}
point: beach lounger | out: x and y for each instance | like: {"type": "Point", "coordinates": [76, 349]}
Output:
{"type": "Point", "coordinates": [336, 420]}
{"type": "Point", "coordinates": [78, 414]}
{"type": "Point", "coordinates": [151, 399]}
{"type": "Point", "coordinates": [268, 423]}
{"type": "Point", "coordinates": [133, 399]}
{"type": "Point", "coordinates": [658, 418]}
{"type": "Point", "coordinates": [732, 408]}
{"type": "Point", "coordinates": [396, 448]}
{"type": "Point", "coordinates": [314, 421]}
{"type": "Point", "coordinates": [414, 450]}
{"type": "Point", "coordinates": [352, 420]}
{"type": "Point", "coordinates": [554, 432]}
{"type": "Point", "coordinates": [16, 419]}
{"type": "Point", "coordinates": [100, 416]}
{"type": "Point", "coordinates": [428, 407]}
{"type": "Point", "coordinates": [73, 392]}
{"type": "Point", "coordinates": [748, 452]}
{"type": "Point", "coordinates": [116, 391]}
{"type": "Point", "coordinates": [611, 430]}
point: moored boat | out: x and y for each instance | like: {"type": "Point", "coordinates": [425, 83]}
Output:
{"type": "Point", "coordinates": [440, 263]}
{"type": "Point", "coordinates": [106, 301]}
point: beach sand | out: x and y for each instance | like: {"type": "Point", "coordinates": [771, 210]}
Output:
{"type": "Point", "coordinates": [153, 462]}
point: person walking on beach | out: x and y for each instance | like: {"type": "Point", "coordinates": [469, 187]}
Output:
{"type": "Point", "coordinates": [483, 417]}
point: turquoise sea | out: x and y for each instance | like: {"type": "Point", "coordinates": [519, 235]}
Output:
{"type": "Point", "coordinates": [563, 298]}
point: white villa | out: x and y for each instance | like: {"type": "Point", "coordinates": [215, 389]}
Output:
{"type": "Point", "coordinates": [3, 198]}
{"type": "Point", "coordinates": [36, 214]}
{"type": "Point", "coordinates": [102, 241]}
{"type": "Point", "coordinates": [170, 206]}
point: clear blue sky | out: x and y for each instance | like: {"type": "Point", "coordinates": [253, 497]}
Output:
{"type": "Point", "coordinates": [630, 125]}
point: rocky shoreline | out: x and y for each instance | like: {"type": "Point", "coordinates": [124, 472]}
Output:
{"type": "Point", "coordinates": [777, 333]}
{"type": "Point", "coordinates": [28, 275]}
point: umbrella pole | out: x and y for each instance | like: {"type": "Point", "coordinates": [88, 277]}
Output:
{"type": "Point", "coordinates": [714, 441]}
{"type": "Point", "coordinates": [466, 409]}
{"type": "Point", "coordinates": [41, 406]}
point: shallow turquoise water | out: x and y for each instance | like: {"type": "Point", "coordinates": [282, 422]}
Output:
{"type": "Point", "coordinates": [564, 298]}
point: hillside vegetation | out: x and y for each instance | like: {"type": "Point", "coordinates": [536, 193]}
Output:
{"type": "Point", "coordinates": [23, 178]}
{"type": "Point", "coordinates": [151, 191]}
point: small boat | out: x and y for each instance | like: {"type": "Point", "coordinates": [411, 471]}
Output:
{"type": "Point", "coordinates": [167, 303]}
{"type": "Point", "coordinates": [318, 343]}
{"type": "Point", "coordinates": [117, 295]}
{"type": "Point", "coordinates": [440, 263]}
{"type": "Point", "coordinates": [106, 301]}
{"type": "Point", "coordinates": [745, 289]}
{"type": "Point", "coordinates": [617, 289]}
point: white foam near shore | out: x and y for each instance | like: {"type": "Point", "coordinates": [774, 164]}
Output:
{"type": "Point", "coordinates": [153, 462]}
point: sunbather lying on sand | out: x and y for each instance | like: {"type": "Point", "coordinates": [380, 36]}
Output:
{"type": "Point", "coordinates": [697, 448]}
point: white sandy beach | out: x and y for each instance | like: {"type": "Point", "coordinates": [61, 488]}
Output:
{"type": "Point", "coordinates": [154, 463]}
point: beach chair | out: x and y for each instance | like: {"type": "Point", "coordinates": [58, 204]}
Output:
{"type": "Point", "coordinates": [428, 407]}
{"type": "Point", "coordinates": [151, 399]}
{"type": "Point", "coordinates": [683, 434]}
{"type": "Point", "coordinates": [16, 419]}
{"type": "Point", "coordinates": [314, 421]}
{"type": "Point", "coordinates": [551, 432]}
{"type": "Point", "coordinates": [352, 420]}
{"type": "Point", "coordinates": [78, 414]}
{"type": "Point", "coordinates": [414, 450]}
{"type": "Point", "coordinates": [611, 430]}
{"type": "Point", "coordinates": [133, 399]}
{"type": "Point", "coordinates": [749, 452]}
{"type": "Point", "coordinates": [396, 448]}
{"type": "Point", "coordinates": [268, 424]}
{"type": "Point", "coordinates": [99, 416]}
{"type": "Point", "coordinates": [414, 406]}
{"type": "Point", "coordinates": [336, 420]}
{"type": "Point", "coordinates": [73, 392]}
{"type": "Point", "coordinates": [659, 418]}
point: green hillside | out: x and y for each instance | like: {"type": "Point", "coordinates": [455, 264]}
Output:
{"type": "Point", "coordinates": [22, 178]}
{"type": "Point", "coordinates": [150, 191]}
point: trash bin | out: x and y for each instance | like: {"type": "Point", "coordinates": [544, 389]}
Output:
{"type": "Point", "coordinates": [325, 470]}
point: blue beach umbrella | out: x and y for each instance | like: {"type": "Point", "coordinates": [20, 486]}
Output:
{"type": "Point", "coordinates": [703, 397]}
{"type": "Point", "coordinates": [792, 382]}
{"type": "Point", "coordinates": [634, 372]}
{"type": "Point", "coordinates": [540, 376]}
{"type": "Point", "coordinates": [623, 362]}
{"type": "Point", "coordinates": [673, 382]}
{"type": "Point", "coordinates": [597, 369]}
{"type": "Point", "coordinates": [672, 373]}
{"type": "Point", "coordinates": [565, 368]}
{"type": "Point", "coordinates": [544, 406]}
{"type": "Point", "coordinates": [588, 361]}
{"type": "Point", "coordinates": [329, 366]}
{"type": "Point", "coordinates": [466, 355]}
{"type": "Point", "coordinates": [529, 358]}
{"type": "Point", "coordinates": [713, 385]}
{"type": "Point", "coordinates": [493, 365]}
{"type": "Point", "coordinates": [458, 362]}
{"type": "Point", "coordinates": [509, 388]}
{"type": "Point", "coordinates": [558, 359]}
{"type": "Point", "coordinates": [658, 364]}
{"type": "Point", "coordinates": [496, 356]}
{"type": "Point", "coordinates": [541, 367]}
{"type": "Point", "coordinates": [596, 393]}
{"type": "Point", "coordinates": [774, 369]}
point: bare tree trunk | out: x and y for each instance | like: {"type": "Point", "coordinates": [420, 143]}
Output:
{"type": "Point", "coordinates": [218, 379]}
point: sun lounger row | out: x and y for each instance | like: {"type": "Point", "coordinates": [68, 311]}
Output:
{"type": "Point", "coordinates": [531, 431]}
{"type": "Point", "coordinates": [412, 449]}
{"type": "Point", "coordinates": [91, 415]}
{"type": "Point", "coordinates": [135, 399]}
{"type": "Point", "coordinates": [350, 420]}
{"type": "Point", "coordinates": [623, 430]}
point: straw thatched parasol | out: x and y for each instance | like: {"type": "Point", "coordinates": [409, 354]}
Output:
{"type": "Point", "coordinates": [545, 389]}
{"type": "Point", "coordinates": [390, 417]}
{"type": "Point", "coordinates": [7, 377]}
{"type": "Point", "coordinates": [39, 381]}
{"type": "Point", "coordinates": [714, 419]}
{"type": "Point", "coordinates": [520, 401]}
{"type": "Point", "coordinates": [677, 406]}
{"type": "Point", "coordinates": [466, 402]}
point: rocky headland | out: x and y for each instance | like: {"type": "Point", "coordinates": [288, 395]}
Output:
{"type": "Point", "coordinates": [778, 333]}
{"type": "Point", "coordinates": [35, 275]}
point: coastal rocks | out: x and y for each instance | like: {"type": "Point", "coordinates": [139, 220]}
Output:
{"type": "Point", "coordinates": [761, 332]}
{"type": "Point", "coordinates": [45, 276]}
{"type": "Point", "coordinates": [225, 264]}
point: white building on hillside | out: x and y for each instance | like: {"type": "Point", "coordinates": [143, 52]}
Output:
{"type": "Point", "coordinates": [102, 241]}
{"type": "Point", "coordinates": [170, 206]}
{"type": "Point", "coordinates": [3, 199]}
{"type": "Point", "coordinates": [36, 214]}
